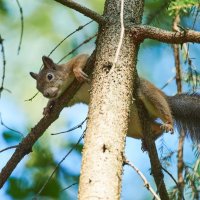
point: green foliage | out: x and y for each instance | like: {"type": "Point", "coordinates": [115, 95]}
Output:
{"type": "Point", "coordinates": [156, 13]}
{"type": "Point", "coordinates": [18, 188]}
{"type": "Point", "coordinates": [10, 136]}
{"type": "Point", "coordinates": [174, 193]}
{"type": "Point", "coordinates": [38, 169]}
{"type": "Point", "coordinates": [182, 7]}
{"type": "Point", "coordinates": [192, 180]}
{"type": "Point", "coordinates": [24, 188]}
{"type": "Point", "coordinates": [3, 9]}
{"type": "Point", "coordinates": [196, 150]}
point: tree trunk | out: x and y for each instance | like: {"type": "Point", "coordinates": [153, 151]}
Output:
{"type": "Point", "coordinates": [111, 96]}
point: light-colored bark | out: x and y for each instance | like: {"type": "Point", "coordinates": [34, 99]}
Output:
{"type": "Point", "coordinates": [109, 107]}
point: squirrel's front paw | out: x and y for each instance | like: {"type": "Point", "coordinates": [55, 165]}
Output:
{"type": "Point", "coordinates": [144, 146]}
{"type": "Point", "coordinates": [80, 75]}
{"type": "Point", "coordinates": [167, 127]}
{"type": "Point", "coordinates": [46, 111]}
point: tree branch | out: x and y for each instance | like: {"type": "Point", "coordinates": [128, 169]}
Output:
{"type": "Point", "coordinates": [25, 147]}
{"type": "Point", "coordinates": [149, 143]}
{"type": "Point", "coordinates": [85, 11]}
{"type": "Point", "coordinates": [7, 148]}
{"type": "Point", "coordinates": [146, 183]}
{"type": "Point", "coordinates": [144, 32]}
{"type": "Point", "coordinates": [180, 164]}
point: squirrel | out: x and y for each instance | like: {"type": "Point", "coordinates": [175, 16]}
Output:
{"type": "Point", "coordinates": [181, 110]}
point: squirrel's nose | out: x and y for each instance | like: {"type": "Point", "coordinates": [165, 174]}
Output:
{"type": "Point", "coordinates": [46, 94]}
{"type": "Point", "coordinates": [50, 92]}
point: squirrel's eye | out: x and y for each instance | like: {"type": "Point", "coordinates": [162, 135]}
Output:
{"type": "Point", "coordinates": [50, 76]}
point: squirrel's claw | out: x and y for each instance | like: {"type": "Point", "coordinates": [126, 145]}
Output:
{"type": "Point", "coordinates": [167, 127]}
{"type": "Point", "coordinates": [144, 146]}
{"type": "Point", "coordinates": [46, 111]}
{"type": "Point", "coordinates": [81, 76]}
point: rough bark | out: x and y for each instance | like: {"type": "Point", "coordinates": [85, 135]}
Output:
{"type": "Point", "coordinates": [111, 96]}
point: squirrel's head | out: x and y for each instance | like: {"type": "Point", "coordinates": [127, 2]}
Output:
{"type": "Point", "coordinates": [50, 79]}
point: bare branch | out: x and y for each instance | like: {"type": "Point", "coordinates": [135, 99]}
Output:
{"type": "Point", "coordinates": [30, 99]}
{"type": "Point", "coordinates": [3, 124]}
{"type": "Point", "coordinates": [149, 144]}
{"type": "Point", "coordinates": [69, 187]}
{"type": "Point", "coordinates": [180, 164]}
{"type": "Point", "coordinates": [4, 65]}
{"type": "Point", "coordinates": [168, 82]}
{"type": "Point", "coordinates": [72, 129]}
{"type": "Point", "coordinates": [85, 11]}
{"type": "Point", "coordinates": [177, 184]}
{"type": "Point", "coordinates": [7, 148]}
{"type": "Point", "coordinates": [143, 32]}
{"type": "Point", "coordinates": [22, 25]}
{"type": "Point", "coordinates": [146, 183]}
{"type": "Point", "coordinates": [25, 147]}
{"type": "Point", "coordinates": [78, 29]}
{"type": "Point", "coordinates": [84, 42]}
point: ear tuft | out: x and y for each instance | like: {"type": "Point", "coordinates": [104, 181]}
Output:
{"type": "Point", "coordinates": [48, 62]}
{"type": "Point", "coordinates": [34, 75]}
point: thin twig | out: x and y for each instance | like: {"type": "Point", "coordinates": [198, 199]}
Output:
{"type": "Point", "coordinates": [170, 176]}
{"type": "Point", "coordinates": [7, 148]}
{"type": "Point", "coordinates": [58, 165]}
{"type": "Point", "coordinates": [146, 183]}
{"type": "Point", "coordinates": [85, 11]}
{"type": "Point", "coordinates": [4, 65]}
{"type": "Point", "coordinates": [168, 82]}
{"type": "Point", "coordinates": [22, 25]}
{"type": "Point", "coordinates": [177, 184]}
{"type": "Point", "coordinates": [71, 129]}
{"type": "Point", "coordinates": [32, 97]}
{"type": "Point", "coordinates": [84, 42]}
{"type": "Point", "coordinates": [3, 124]}
{"type": "Point", "coordinates": [78, 29]}
{"type": "Point", "coordinates": [69, 187]}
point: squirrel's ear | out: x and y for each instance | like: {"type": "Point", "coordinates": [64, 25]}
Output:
{"type": "Point", "coordinates": [34, 75]}
{"type": "Point", "coordinates": [48, 62]}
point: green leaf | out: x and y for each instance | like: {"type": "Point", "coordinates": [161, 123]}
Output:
{"type": "Point", "coordinates": [10, 136]}
{"type": "Point", "coordinates": [18, 188]}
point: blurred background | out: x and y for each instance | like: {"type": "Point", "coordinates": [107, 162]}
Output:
{"type": "Point", "coordinates": [46, 23]}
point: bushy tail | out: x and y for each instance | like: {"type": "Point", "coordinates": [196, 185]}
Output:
{"type": "Point", "coordinates": [186, 112]}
